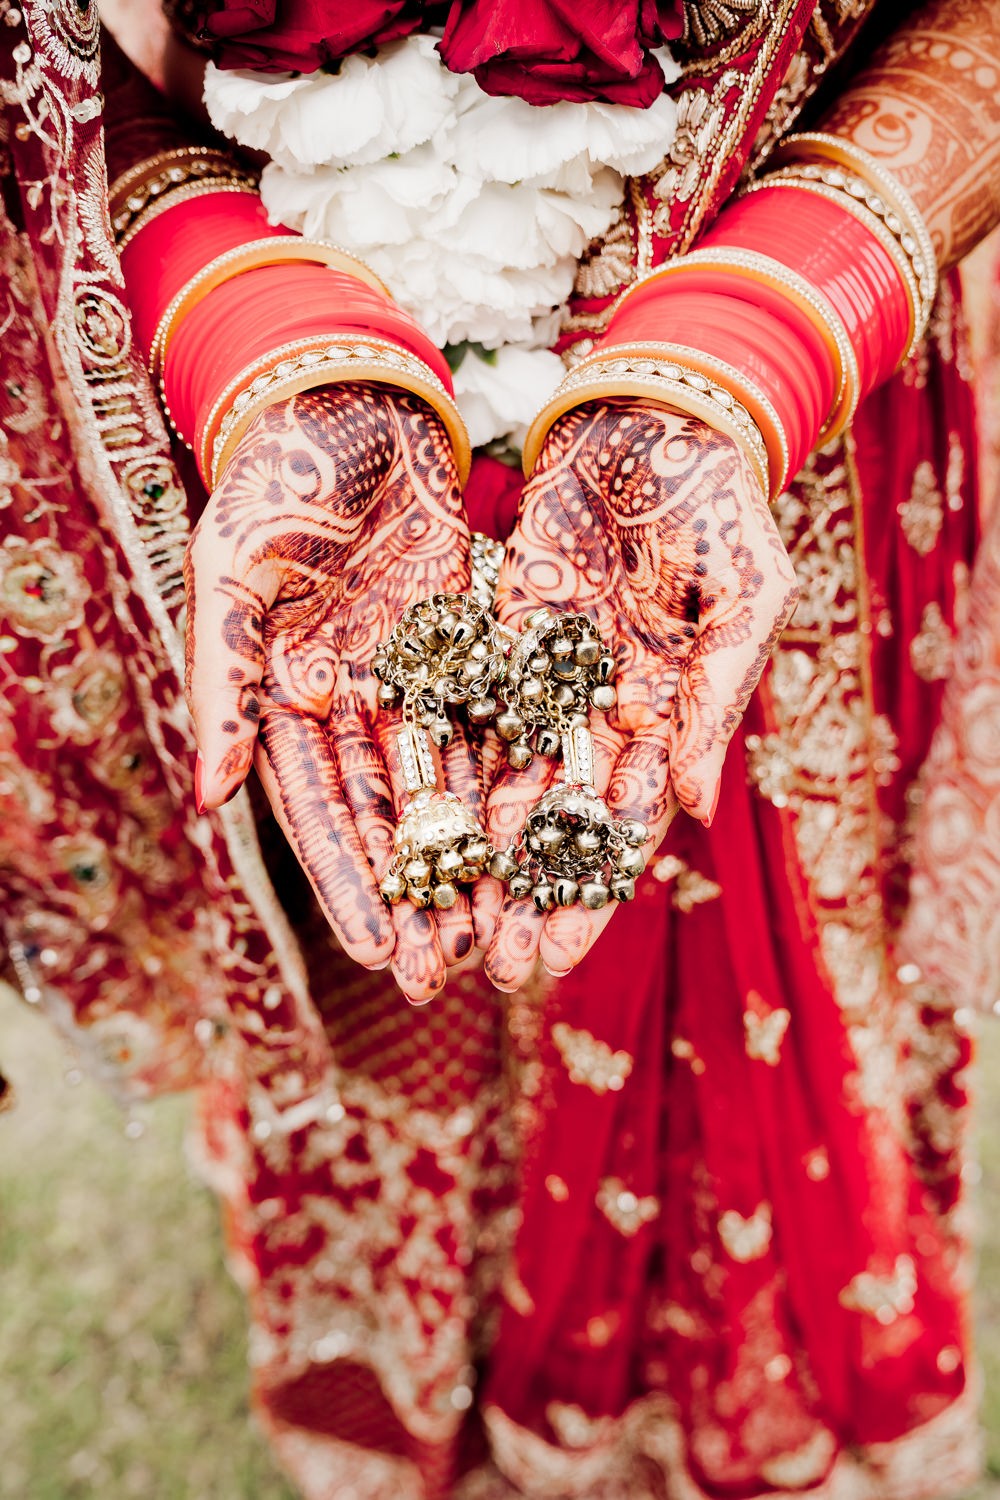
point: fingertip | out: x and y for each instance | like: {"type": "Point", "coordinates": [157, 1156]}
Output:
{"type": "Point", "coordinates": [487, 901]}
{"type": "Point", "coordinates": [513, 951]}
{"type": "Point", "coordinates": [223, 774]}
{"type": "Point", "coordinates": [417, 961]}
{"type": "Point", "coordinates": [568, 936]}
{"type": "Point", "coordinates": [377, 949]}
{"type": "Point", "coordinates": [455, 931]}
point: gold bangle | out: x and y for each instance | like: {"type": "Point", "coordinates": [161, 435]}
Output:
{"type": "Point", "coordinates": [250, 257]}
{"type": "Point", "coordinates": [181, 158]}
{"type": "Point", "coordinates": [750, 265]}
{"type": "Point", "coordinates": [661, 381]}
{"type": "Point", "coordinates": [904, 218]}
{"type": "Point", "coordinates": [724, 382]}
{"type": "Point", "coordinates": [183, 194]}
{"type": "Point", "coordinates": [159, 176]}
{"type": "Point", "coordinates": [324, 359]}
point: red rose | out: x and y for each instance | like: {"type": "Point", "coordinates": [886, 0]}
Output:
{"type": "Point", "coordinates": [299, 36]}
{"type": "Point", "coordinates": [547, 50]}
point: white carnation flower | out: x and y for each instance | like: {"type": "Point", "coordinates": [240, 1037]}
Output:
{"type": "Point", "coordinates": [370, 109]}
{"type": "Point", "coordinates": [502, 139]}
{"type": "Point", "coordinates": [499, 397]}
{"type": "Point", "coordinates": [474, 210]}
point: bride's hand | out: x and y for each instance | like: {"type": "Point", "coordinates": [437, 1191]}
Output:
{"type": "Point", "coordinates": [653, 525]}
{"type": "Point", "coordinates": [339, 509]}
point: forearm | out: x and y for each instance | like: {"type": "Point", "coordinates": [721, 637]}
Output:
{"type": "Point", "coordinates": [928, 107]}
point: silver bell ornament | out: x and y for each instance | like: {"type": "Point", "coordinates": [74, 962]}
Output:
{"type": "Point", "coordinates": [445, 652]}
{"type": "Point", "coordinates": [557, 671]}
{"type": "Point", "coordinates": [572, 850]}
{"type": "Point", "coordinates": [439, 844]}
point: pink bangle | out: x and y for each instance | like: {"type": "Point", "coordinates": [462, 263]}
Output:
{"type": "Point", "coordinates": [837, 254]}
{"type": "Point", "coordinates": [747, 339]}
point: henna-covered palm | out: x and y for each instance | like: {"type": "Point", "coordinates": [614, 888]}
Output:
{"type": "Point", "coordinates": [654, 526]}
{"type": "Point", "coordinates": [338, 510]}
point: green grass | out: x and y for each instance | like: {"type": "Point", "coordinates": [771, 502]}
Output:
{"type": "Point", "coordinates": [122, 1339]}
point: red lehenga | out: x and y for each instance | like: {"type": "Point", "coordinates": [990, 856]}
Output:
{"type": "Point", "coordinates": [686, 1223]}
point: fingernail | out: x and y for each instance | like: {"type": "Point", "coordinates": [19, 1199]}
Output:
{"type": "Point", "coordinates": [199, 775]}
{"type": "Point", "coordinates": [556, 973]}
{"type": "Point", "coordinates": [707, 822]}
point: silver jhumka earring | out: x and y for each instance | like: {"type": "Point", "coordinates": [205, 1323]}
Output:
{"type": "Point", "coordinates": [571, 849]}
{"type": "Point", "coordinates": [445, 652]}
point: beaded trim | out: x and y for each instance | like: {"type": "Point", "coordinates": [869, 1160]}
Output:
{"type": "Point", "coordinates": [659, 379]}
{"type": "Point", "coordinates": [860, 163]}
{"type": "Point", "coordinates": [306, 364]}
{"type": "Point", "coordinates": [830, 183]}
{"type": "Point", "coordinates": [182, 194]}
{"type": "Point", "coordinates": [143, 184]}
{"type": "Point", "coordinates": [252, 256]}
{"type": "Point", "coordinates": [752, 265]}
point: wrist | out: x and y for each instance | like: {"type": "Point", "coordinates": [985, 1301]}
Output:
{"type": "Point", "coordinates": [236, 313]}
{"type": "Point", "coordinates": [807, 292]}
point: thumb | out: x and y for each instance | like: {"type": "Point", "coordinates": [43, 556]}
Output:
{"type": "Point", "coordinates": [224, 654]}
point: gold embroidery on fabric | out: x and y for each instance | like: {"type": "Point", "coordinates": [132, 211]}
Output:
{"type": "Point", "coordinates": [590, 1061]}
{"type": "Point", "coordinates": [824, 41]}
{"type": "Point", "coordinates": [373, 1231]}
{"type": "Point", "coordinates": [609, 267]}
{"type": "Point", "coordinates": [708, 22]}
{"type": "Point", "coordinates": [817, 1164]}
{"type": "Point", "coordinates": [623, 1209]}
{"type": "Point", "coordinates": [955, 473]}
{"type": "Point", "coordinates": [764, 1034]}
{"type": "Point", "coordinates": [820, 761]}
{"type": "Point", "coordinates": [599, 1331]}
{"type": "Point", "coordinates": [746, 1239]}
{"type": "Point", "coordinates": [796, 86]}
{"type": "Point", "coordinates": [921, 516]}
{"type": "Point", "coordinates": [722, 144]}
{"type": "Point", "coordinates": [516, 1293]}
{"type": "Point", "coordinates": [806, 1465]}
{"type": "Point", "coordinates": [932, 649]}
{"type": "Point", "coordinates": [884, 1298]}
{"type": "Point", "coordinates": [313, 1456]}
{"type": "Point", "coordinates": [703, 142]}
{"type": "Point", "coordinates": [682, 1049]}
{"type": "Point", "coordinates": [691, 888]}
{"type": "Point", "coordinates": [700, 118]}
{"type": "Point", "coordinates": [644, 1453]}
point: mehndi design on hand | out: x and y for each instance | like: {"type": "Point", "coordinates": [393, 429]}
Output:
{"type": "Point", "coordinates": [653, 526]}
{"type": "Point", "coordinates": [339, 510]}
